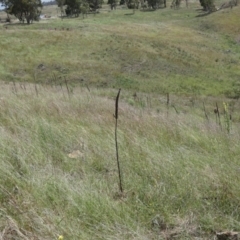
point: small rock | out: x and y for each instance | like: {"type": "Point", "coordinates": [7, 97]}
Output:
{"type": "Point", "coordinates": [75, 154]}
{"type": "Point", "coordinates": [227, 235]}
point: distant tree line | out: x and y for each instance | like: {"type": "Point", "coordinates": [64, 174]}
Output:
{"type": "Point", "coordinates": [75, 7]}
{"type": "Point", "coordinates": [30, 10]}
{"type": "Point", "coordinates": [24, 10]}
{"type": "Point", "coordinates": [136, 4]}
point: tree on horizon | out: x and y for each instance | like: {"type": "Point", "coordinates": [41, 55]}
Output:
{"type": "Point", "coordinates": [28, 10]}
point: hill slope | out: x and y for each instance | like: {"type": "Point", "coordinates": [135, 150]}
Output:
{"type": "Point", "coordinates": [179, 152]}
{"type": "Point", "coordinates": [59, 174]}
{"type": "Point", "coordinates": [160, 51]}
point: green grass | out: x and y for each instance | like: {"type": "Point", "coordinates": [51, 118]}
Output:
{"type": "Point", "coordinates": [180, 172]}
{"type": "Point", "coordinates": [58, 173]}
{"type": "Point", "coordinates": [160, 51]}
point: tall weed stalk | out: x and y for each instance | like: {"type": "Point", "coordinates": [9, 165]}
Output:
{"type": "Point", "coordinates": [116, 141]}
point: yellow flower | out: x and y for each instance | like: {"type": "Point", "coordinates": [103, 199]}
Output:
{"type": "Point", "coordinates": [60, 237]}
{"type": "Point", "coordinates": [225, 105]}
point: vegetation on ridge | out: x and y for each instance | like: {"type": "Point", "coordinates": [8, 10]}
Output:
{"type": "Point", "coordinates": [161, 51]}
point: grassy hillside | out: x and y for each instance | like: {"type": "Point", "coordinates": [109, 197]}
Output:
{"type": "Point", "coordinates": [59, 175]}
{"type": "Point", "coordinates": [160, 51]}
{"type": "Point", "coordinates": [179, 156]}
